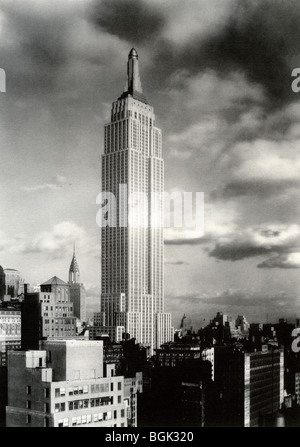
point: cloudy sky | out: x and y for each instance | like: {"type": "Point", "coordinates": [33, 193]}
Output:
{"type": "Point", "coordinates": [219, 77]}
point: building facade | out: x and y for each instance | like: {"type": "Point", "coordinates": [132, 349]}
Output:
{"type": "Point", "coordinates": [258, 379]}
{"type": "Point", "coordinates": [132, 284]}
{"type": "Point", "coordinates": [14, 284]}
{"type": "Point", "coordinates": [2, 283]}
{"type": "Point", "coordinates": [54, 387]}
{"type": "Point", "coordinates": [47, 314]}
{"type": "Point", "coordinates": [10, 332]}
{"type": "Point", "coordinates": [264, 384]}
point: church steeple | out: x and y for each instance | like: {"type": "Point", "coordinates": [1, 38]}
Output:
{"type": "Point", "coordinates": [74, 274]}
{"type": "Point", "coordinates": [133, 85]}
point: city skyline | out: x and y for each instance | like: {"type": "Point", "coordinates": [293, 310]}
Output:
{"type": "Point", "coordinates": [230, 129]}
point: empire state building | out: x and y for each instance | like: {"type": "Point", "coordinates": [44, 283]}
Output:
{"type": "Point", "coordinates": [132, 277]}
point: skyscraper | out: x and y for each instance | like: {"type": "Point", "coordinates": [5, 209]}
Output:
{"type": "Point", "coordinates": [77, 290]}
{"type": "Point", "coordinates": [132, 290]}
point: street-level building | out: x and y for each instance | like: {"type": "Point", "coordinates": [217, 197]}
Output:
{"type": "Point", "coordinates": [64, 385]}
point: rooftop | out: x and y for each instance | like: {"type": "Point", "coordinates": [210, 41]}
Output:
{"type": "Point", "coordinates": [54, 281]}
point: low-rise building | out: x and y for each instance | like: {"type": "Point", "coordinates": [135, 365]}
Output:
{"type": "Point", "coordinates": [64, 385]}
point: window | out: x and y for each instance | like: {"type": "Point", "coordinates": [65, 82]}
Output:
{"type": "Point", "coordinates": [119, 386]}
{"type": "Point", "coordinates": [111, 386]}
{"type": "Point", "coordinates": [75, 389]}
{"type": "Point", "coordinates": [119, 399]}
{"type": "Point", "coordinates": [83, 419]}
{"type": "Point", "coordinates": [29, 389]}
{"type": "Point", "coordinates": [60, 407]}
{"type": "Point", "coordinates": [46, 422]}
{"type": "Point", "coordinates": [28, 419]}
{"type": "Point", "coordinates": [85, 389]}
{"type": "Point", "coordinates": [115, 414]}
{"type": "Point", "coordinates": [95, 418]}
{"type": "Point", "coordinates": [60, 422]}
{"type": "Point", "coordinates": [28, 404]}
{"type": "Point", "coordinates": [71, 391]}
{"type": "Point", "coordinates": [74, 420]}
{"type": "Point", "coordinates": [80, 390]}
{"type": "Point", "coordinates": [89, 418]}
{"type": "Point", "coordinates": [122, 413]}
{"type": "Point", "coordinates": [66, 422]}
{"type": "Point", "coordinates": [62, 391]}
{"type": "Point", "coordinates": [46, 408]}
{"type": "Point", "coordinates": [46, 392]}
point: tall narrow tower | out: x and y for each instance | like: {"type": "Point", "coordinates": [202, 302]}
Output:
{"type": "Point", "coordinates": [77, 290]}
{"type": "Point", "coordinates": [132, 289]}
{"type": "Point", "coordinates": [74, 274]}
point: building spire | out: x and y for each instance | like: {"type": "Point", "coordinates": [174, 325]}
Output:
{"type": "Point", "coordinates": [133, 75]}
{"type": "Point", "coordinates": [74, 274]}
{"type": "Point", "coordinates": [133, 85]}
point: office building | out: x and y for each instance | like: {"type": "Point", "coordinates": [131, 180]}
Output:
{"type": "Point", "coordinates": [250, 383]}
{"type": "Point", "coordinates": [172, 354]}
{"type": "Point", "coordinates": [10, 332]}
{"type": "Point", "coordinates": [47, 314]}
{"type": "Point", "coordinates": [10, 339]}
{"type": "Point", "coordinates": [2, 283]}
{"type": "Point", "coordinates": [132, 285]}
{"type": "Point", "coordinates": [14, 284]}
{"type": "Point", "coordinates": [64, 385]}
{"type": "Point", "coordinates": [297, 387]}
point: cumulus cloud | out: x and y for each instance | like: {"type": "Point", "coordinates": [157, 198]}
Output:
{"type": "Point", "coordinates": [57, 182]}
{"type": "Point", "coordinates": [263, 168]}
{"type": "Point", "coordinates": [257, 241]}
{"type": "Point", "coordinates": [289, 261]}
{"type": "Point", "coordinates": [210, 91]}
{"type": "Point", "coordinates": [219, 221]}
{"type": "Point", "coordinates": [53, 243]}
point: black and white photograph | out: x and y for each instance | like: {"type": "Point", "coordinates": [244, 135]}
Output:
{"type": "Point", "coordinates": [149, 216]}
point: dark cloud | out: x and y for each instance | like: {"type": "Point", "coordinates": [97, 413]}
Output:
{"type": "Point", "coordinates": [188, 241]}
{"type": "Point", "coordinates": [131, 20]}
{"type": "Point", "coordinates": [177, 263]}
{"type": "Point", "coordinates": [260, 39]}
{"type": "Point", "coordinates": [260, 241]}
{"type": "Point", "coordinates": [236, 251]}
{"type": "Point", "coordinates": [258, 187]}
{"type": "Point", "coordinates": [38, 46]}
{"type": "Point", "coordinates": [281, 262]}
